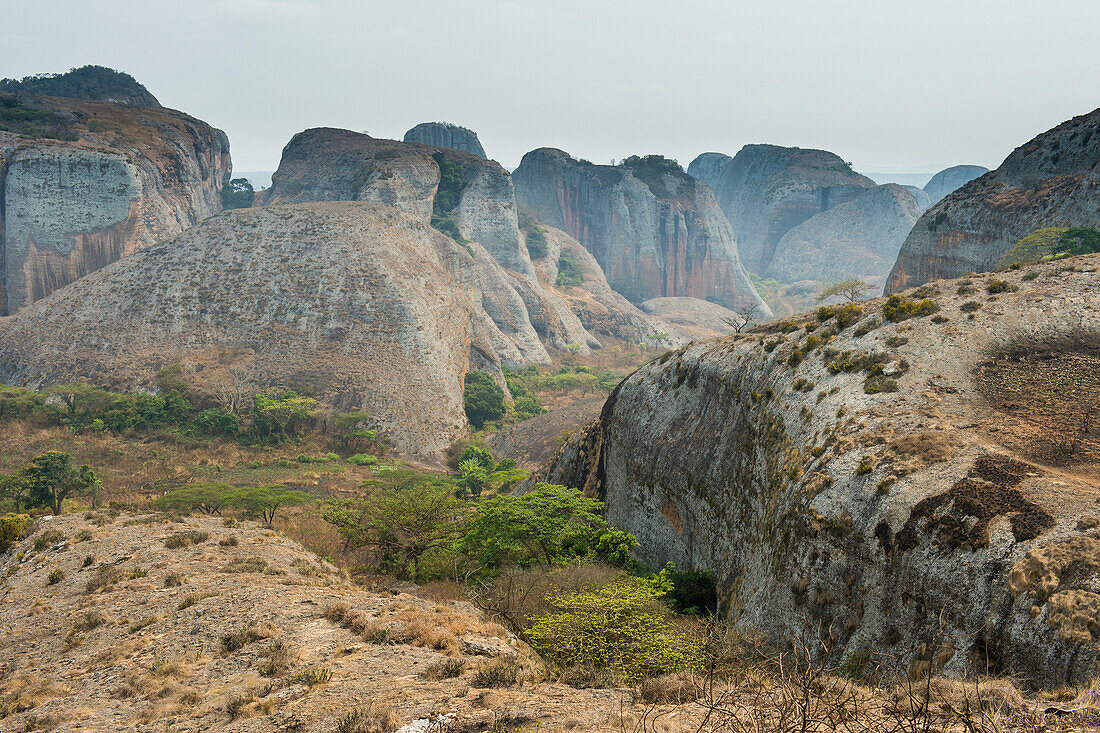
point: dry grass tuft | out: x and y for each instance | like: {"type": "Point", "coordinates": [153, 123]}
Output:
{"type": "Point", "coordinates": [373, 718]}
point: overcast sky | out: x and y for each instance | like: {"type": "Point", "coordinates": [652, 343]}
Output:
{"type": "Point", "coordinates": [888, 84]}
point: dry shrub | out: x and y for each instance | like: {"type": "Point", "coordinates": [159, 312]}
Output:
{"type": "Point", "coordinates": [424, 631]}
{"type": "Point", "coordinates": [443, 591]}
{"type": "Point", "coordinates": [373, 718]}
{"type": "Point", "coordinates": [230, 541]}
{"type": "Point", "coordinates": [337, 611]}
{"type": "Point", "coordinates": [23, 692]}
{"type": "Point", "coordinates": [249, 632]}
{"type": "Point", "coordinates": [93, 618]}
{"type": "Point", "coordinates": [586, 677]}
{"type": "Point", "coordinates": [103, 577]}
{"type": "Point", "coordinates": [499, 673]}
{"type": "Point", "coordinates": [669, 689]}
{"type": "Point", "coordinates": [253, 564]}
{"type": "Point", "coordinates": [516, 596]}
{"type": "Point", "coordinates": [445, 669]}
{"type": "Point", "coordinates": [185, 539]}
{"type": "Point", "coordinates": [279, 656]}
{"type": "Point", "coordinates": [238, 705]}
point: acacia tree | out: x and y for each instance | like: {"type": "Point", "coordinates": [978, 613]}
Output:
{"type": "Point", "coordinates": [51, 478]}
{"type": "Point", "coordinates": [264, 502]}
{"type": "Point", "coordinates": [851, 290]}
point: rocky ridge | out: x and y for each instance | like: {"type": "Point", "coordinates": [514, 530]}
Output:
{"type": "Point", "coordinates": [901, 488]}
{"type": "Point", "coordinates": [950, 179]}
{"type": "Point", "coordinates": [1052, 180]}
{"type": "Point", "coordinates": [130, 176]}
{"type": "Point", "coordinates": [767, 190]}
{"type": "Point", "coordinates": [446, 135]}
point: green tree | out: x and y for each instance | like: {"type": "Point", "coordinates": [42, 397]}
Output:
{"type": "Point", "coordinates": [851, 290]}
{"type": "Point", "coordinates": [51, 478]}
{"type": "Point", "coordinates": [404, 516]}
{"type": "Point", "coordinates": [483, 399]}
{"type": "Point", "coordinates": [208, 498]}
{"type": "Point", "coordinates": [264, 502]}
{"type": "Point", "coordinates": [238, 194]}
{"type": "Point", "coordinates": [546, 526]}
{"type": "Point", "coordinates": [277, 414]}
{"type": "Point", "coordinates": [474, 476]}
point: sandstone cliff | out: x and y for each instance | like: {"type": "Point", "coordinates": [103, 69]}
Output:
{"type": "Point", "coordinates": [922, 491]}
{"type": "Point", "coordinates": [767, 190]}
{"type": "Point", "coordinates": [952, 178]}
{"type": "Point", "coordinates": [654, 230]}
{"type": "Point", "coordinates": [125, 178]}
{"type": "Point", "coordinates": [365, 305]}
{"type": "Point", "coordinates": [860, 238]}
{"type": "Point", "coordinates": [1053, 180]}
{"type": "Point", "coordinates": [446, 135]}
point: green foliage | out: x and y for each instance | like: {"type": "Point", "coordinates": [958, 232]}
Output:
{"type": "Point", "coordinates": [264, 502]}
{"type": "Point", "coordinates": [405, 516]}
{"type": "Point", "coordinates": [876, 383]}
{"type": "Point", "coordinates": [479, 455]}
{"type": "Point", "coordinates": [278, 414]}
{"type": "Point", "coordinates": [483, 399]}
{"type": "Point", "coordinates": [619, 628]}
{"type": "Point", "coordinates": [208, 498]}
{"type": "Point", "coordinates": [49, 479]}
{"type": "Point", "coordinates": [215, 421]}
{"type": "Point", "coordinates": [452, 179]}
{"type": "Point", "coordinates": [238, 194]}
{"type": "Point", "coordinates": [548, 526]}
{"type": "Point", "coordinates": [536, 242]}
{"type": "Point", "coordinates": [363, 459]}
{"type": "Point", "coordinates": [86, 82]}
{"type": "Point", "coordinates": [995, 286]}
{"type": "Point", "coordinates": [568, 274]}
{"type": "Point", "coordinates": [899, 308]}
{"type": "Point", "coordinates": [527, 407]}
{"type": "Point", "coordinates": [655, 171]}
{"type": "Point", "coordinates": [33, 123]}
{"type": "Point", "coordinates": [474, 476]}
{"type": "Point", "coordinates": [852, 289]}
{"type": "Point", "coordinates": [13, 528]}
{"type": "Point", "coordinates": [1051, 243]}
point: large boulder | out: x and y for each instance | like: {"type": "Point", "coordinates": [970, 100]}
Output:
{"type": "Point", "coordinates": [114, 178]}
{"type": "Point", "coordinates": [767, 190]}
{"type": "Point", "coordinates": [365, 305]}
{"type": "Point", "coordinates": [1051, 181]}
{"type": "Point", "coordinates": [952, 178]}
{"type": "Point", "coordinates": [859, 238]}
{"type": "Point", "coordinates": [654, 230]}
{"type": "Point", "coordinates": [446, 135]}
{"type": "Point", "coordinates": [917, 493]}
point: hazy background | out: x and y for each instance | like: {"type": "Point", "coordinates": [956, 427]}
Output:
{"type": "Point", "coordinates": [891, 86]}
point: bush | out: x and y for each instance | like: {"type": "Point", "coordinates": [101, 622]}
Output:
{"type": "Point", "coordinates": [898, 308]}
{"type": "Point", "coordinates": [568, 274]}
{"type": "Point", "coordinates": [878, 383]}
{"type": "Point", "coordinates": [185, 539]}
{"type": "Point", "coordinates": [238, 194]}
{"type": "Point", "coordinates": [847, 315]}
{"type": "Point", "coordinates": [620, 628]}
{"type": "Point", "coordinates": [217, 422]}
{"type": "Point", "coordinates": [483, 399]}
{"type": "Point", "coordinates": [362, 459]}
{"type": "Point", "coordinates": [536, 242]}
{"type": "Point", "coordinates": [13, 528]}
{"type": "Point", "coordinates": [970, 306]}
{"type": "Point", "coordinates": [497, 674]}
{"type": "Point", "coordinates": [447, 668]}
{"type": "Point", "coordinates": [56, 576]}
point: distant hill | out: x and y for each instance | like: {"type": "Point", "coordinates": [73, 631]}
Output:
{"type": "Point", "coordinates": [96, 83]}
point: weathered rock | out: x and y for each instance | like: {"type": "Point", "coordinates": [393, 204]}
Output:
{"type": "Point", "coordinates": [364, 304]}
{"type": "Point", "coordinates": [860, 238]}
{"type": "Point", "coordinates": [1053, 180]}
{"type": "Point", "coordinates": [877, 512]}
{"type": "Point", "coordinates": [952, 178]}
{"type": "Point", "coordinates": [924, 201]}
{"type": "Point", "coordinates": [654, 230]}
{"type": "Point", "coordinates": [446, 135]}
{"type": "Point", "coordinates": [135, 176]}
{"type": "Point", "coordinates": [767, 190]}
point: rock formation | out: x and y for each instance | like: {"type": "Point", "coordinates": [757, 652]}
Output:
{"type": "Point", "coordinates": [446, 135]}
{"type": "Point", "coordinates": [95, 83]}
{"type": "Point", "coordinates": [884, 486]}
{"type": "Point", "coordinates": [1053, 180]}
{"type": "Point", "coordinates": [767, 190]}
{"type": "Point", "coordinates": [924, 201]}
{"type": "Point", "coordinates": [860, 238]}
{"type": "Point", "coordinates": [654, 230]}
{"type": "Point", "coordinates": [123, 178]}
{"type": "Point", "coordinates": [952, 178]}
{"type": "Point", "coordinates": [365, 305]}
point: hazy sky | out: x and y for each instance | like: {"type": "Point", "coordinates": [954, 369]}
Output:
{"type": "Point", "coordinates": [887, 84]}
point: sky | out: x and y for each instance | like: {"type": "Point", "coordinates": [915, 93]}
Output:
{"type": "Point", "coordinates": [890, 85]}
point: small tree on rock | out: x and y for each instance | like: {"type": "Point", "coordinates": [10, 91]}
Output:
{"type": "Point", "coordinates": [851, 290]}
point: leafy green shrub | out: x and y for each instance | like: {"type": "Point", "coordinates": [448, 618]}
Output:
{"type": "Point", "coordinates": [536, 242]}
{"type": "Point", "coordinates": [898, 308]}
{"type": "Point", "coordinates": [278, 415]}
{"type": "Point", "coordinates": [238, 194]}
{"type": "Point", "coordinates": [620, 628]}
{"type": "Point", "coordinates": [996, 286]}
{"type": "Point", "coordinates": [217, 422]}
{"type": "Point", "coordinates": [362, 459]}
{"type": "Point", "coordinates": [866, 327]}
{"type": "Point", "coordinates": [847, 314]}
{"type": "Point", "coordinates": [56, 576]}
{"type": "Point", "coordinates": [483, 399]}
{"type": "Point", "coordinates": [568, 274]}
{"type": "Point", "coordinates": [13, 528]}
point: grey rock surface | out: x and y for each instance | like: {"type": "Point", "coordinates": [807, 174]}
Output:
{"type": "Point", "coordinates": [446, 135]}
{"type": "Point", "coordinates": [952, 178]}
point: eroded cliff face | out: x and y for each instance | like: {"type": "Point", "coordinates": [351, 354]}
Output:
{"type": "Point", "coordinates": [1053, 180]}
{"type": "Point", "coordinates": [767, 190]}
{"type": "Point", "coordinates": [132, 177]}
{"type": "Point", "coordinates": [654, 231]}
{"type": "Point", "coordinates": [364, 304]}
{"type": "Point", "coordinates": [902, 492]}
{"type": "Point", "coordinates": [446, 135]}
{"type": "Point", "coordinates": [860, 238]}
{"type": "Point", "coordinates": [950, 179]}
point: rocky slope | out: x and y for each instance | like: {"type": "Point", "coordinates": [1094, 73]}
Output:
{"type": "Point", "coordinates": [767, 190]}
{"type": "Point", "coordinates": [446, 135]}
{"type": "Point", "coordinates": [1053, 180]}
{"type": "Point", "coordinates": [362, 304]}
{"type": "Point", "coordinates": [952, 178]}
{"type": "Point", "coordinates": [654, 231]}
{"type": "Point", "coordinates": [124, 178]}
{"type": "Point", "coordinates": [135, 639]}
{"type": "Point", "coordinates": [860, 238]}
{"type": "Point", "coordinates": [921, 491]}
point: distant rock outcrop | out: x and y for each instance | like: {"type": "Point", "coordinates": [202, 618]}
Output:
{"type": "Point", "coordinates": [95, 83]}
{"type": "Point", "coordinates": [654, 230]}
{"type": "Point", "coordinates": [860, 238]}
{"type": "Point", "coordinates": [952, 178]}
{"type": "Point", "coordinates": [365, 305]}
{"type": "Point", "coordinates": [1052, 180]}
{"type": "Point", "coordinates": [924, 201]}
{"type": "Point", "coordinates": [446, 135]}
{"type": "Point", "coordinates": [767, 190]}
{"type": "Point", "coordinates": [119, 178]}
